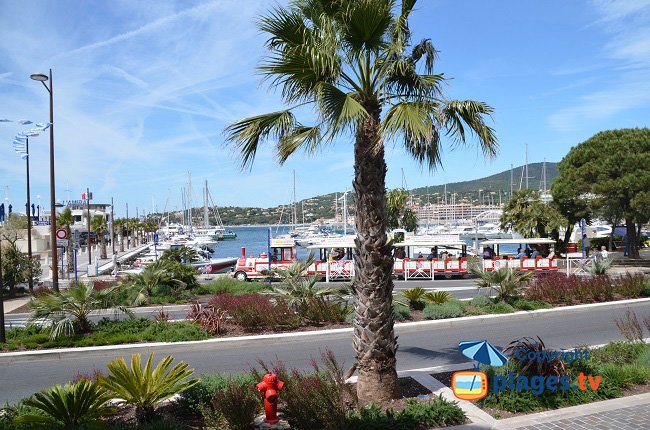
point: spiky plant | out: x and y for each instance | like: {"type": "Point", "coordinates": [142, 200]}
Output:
{"type": "Point", "coordinates": [506, 283]}
{"type": "Point", "coordinates": [437, 297]}
{"type": "Point", "coordinates": [69, 407]}
{"type": "Point", "coordinates": [600, 266]}
{"type": "Point", "coordinates": [68, 310]}
{"type": "Point", "coordinates": [415, 297]}
{"type": "Point", "coordinates": [524, 351]}
{"type": "Point", "coordinates": [146, 387]}
{"type": "Point", "coordinates": [353, 62]}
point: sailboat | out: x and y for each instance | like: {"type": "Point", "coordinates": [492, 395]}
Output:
{"type": "Point", "coordinates": [217, 232]}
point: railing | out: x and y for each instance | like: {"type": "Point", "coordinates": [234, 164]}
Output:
{"type": "Point", "coordinates": [578, 266]}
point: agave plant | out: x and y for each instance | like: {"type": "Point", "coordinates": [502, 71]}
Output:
{"type": "Point", "coordinates": [69, 407]}
{"type": "Point", "coordinates": [506, 283]}
{"type": "Point", "coordinates": [600, 266]}
{"type": "Point", "coordinates": [414, 297]}
{"type": "Point", "coordinates": [68, 310]}
{"type": "Point", "coordinates": [437, 297]}
{"type": "Point", "coordinates": [146, 388]}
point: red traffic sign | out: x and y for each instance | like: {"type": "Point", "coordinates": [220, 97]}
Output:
{"type": "Point", "coordinates": [61, 233]}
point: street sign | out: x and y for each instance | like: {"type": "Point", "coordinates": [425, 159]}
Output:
{"type": "Point", "coordinates": [61, 233]}
{"type": "Point", "coordinates": [62, 243]}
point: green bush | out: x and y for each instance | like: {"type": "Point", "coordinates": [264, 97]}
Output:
{"type": "Point", "coordinates": [236, 406]}
{"type": "Point", "coordinates": [617, 353]}
{"type": "Point", "coordinates": [226, 284]}
{"type": "Point", "coordinates": [401, 313]}
{"type": "Point", "coordinates": [415, 297]}
{"type": "Point", "coordinates": [446, 310]}
{"type": "Point", "coordinates": [530, 305]}
{"type": "Point", "coordinates": [174, 332]}
{"type": "Point", "coordinates": [416, 415]}
{"type": "Point", "coordinates": [644, 358]}
{"type": "Point", "coordinates": [480, 300]}
{"type": "Point", "coordinates": [200, 395]}
{"type": "Point", "coordinates": [498, 308]}
{"type": "Point", "coordinates": [624, 375]}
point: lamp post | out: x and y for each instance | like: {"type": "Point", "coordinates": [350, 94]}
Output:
{"type": "Point", "coordinates": [29, 216]}
{"type": "Point", "coordinates": [3, 338]}
{"type": "Point", "coordinates": [55, 274]}
{"type": "Point", "coordinates": [90, 261]}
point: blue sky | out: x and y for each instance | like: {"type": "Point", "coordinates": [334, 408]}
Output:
{"type": "Point", "coordinates": [144, 89]}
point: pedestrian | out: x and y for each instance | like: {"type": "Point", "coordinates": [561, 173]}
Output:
{"type": "Point", "coordinates": [115, 264]}
{"type": "Point", "coordinates": [586, 244]}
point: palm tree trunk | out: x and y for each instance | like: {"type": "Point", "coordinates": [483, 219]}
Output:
{"type": "Point", "coordinates": [374, 336]}
{"type": "Point", "coordinates": [121, 242]}
{"type": "Point", "coordinates": [69, 260]}
{"type": "Point", "coordinates": [102, 249]}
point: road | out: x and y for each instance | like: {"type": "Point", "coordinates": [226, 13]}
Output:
{"type": "Point", "coordinates": [422, 345]}
{"type": "Point", "coordinates": [460, 288]}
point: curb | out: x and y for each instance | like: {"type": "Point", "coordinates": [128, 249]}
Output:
{"type": "Point", "coordinates": [398, 326]}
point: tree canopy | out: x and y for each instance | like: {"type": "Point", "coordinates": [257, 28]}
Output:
{"type": "Point", "coordinates": [529, 216]}
{"type": "Point", "coordinates": [398, 213]}
{"type": "Point", "coordinates": [611, 171]}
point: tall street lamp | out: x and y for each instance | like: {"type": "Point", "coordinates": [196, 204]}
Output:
{"type": "Point", "coordinates": [55, 273]}
{"type": "Point", "coordinates": [3, 338]}
{"type": "Point", "coordinates": [29, 216]}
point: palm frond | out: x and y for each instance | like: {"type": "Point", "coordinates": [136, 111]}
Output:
{"type": "Point", "coordinates": [414, 122]}
{"type": "Point", "coordinates": [247, 133]}
{"type": "Point", "coordinates": [286, 27]}
{"type": "Point", "coordinates": [364, 24]}
{"type": "Point", "coordinates": [461, 113]}
{"type": "Point", "coordinates": [425, 49]}
{"type": "Point", "coordinates": [338, 108]}
{"type": "Point", "coordinates": [400, 32]}
{"type": "Point", "coordinates": [302, 137]}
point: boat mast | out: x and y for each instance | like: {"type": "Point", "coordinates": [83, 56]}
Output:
{"type": "Point", "coordinates": [206, 222]}
{"type": "Point", "coordinates": [189, 199]}
{"type": "Point", "coordinates": [527, 166]}
{"type": "Point", "coordinates": [295, 212]}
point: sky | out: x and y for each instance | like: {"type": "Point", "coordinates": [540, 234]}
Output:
{"type": "Point", "coordinates": [144, 89]}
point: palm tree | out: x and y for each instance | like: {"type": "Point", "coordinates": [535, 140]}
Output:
{"type": "Point", "coordinates": [352, 61]}
{"type": "Point", "coordinates": [65, 220]}
{"type": "Point", "coordinates": [119, 224]}
{"type": "Point", "coordinates": [399, 214]}
{"type": "Point", "coordinates": [68, 311]}
{"type": "Point", "coordinates": [100, 227]}
{"type": "Point", "coordinates": [131, 230]}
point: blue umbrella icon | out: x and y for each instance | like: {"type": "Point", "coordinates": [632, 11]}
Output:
{"type": "Point", "coordinates": [483, 352]}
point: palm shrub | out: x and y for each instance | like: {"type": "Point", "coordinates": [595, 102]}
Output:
{"type": "Point", "coordinates": [69, 407]}
{"type": "Point", "coordinates": [301, 293]}
{"type": "Point", "coordinates": [437, 297]}
{"type": "Point", "coordinates": [353, 62]}
{"type": "Point", "coordinates": [146, 387]}
{"type": "Point", "coordinates": [415, 297]}
{"type": "Point", "coordinates": [506, 283]}
{"type": "Point", "coordinates": [100, 227]}
{"type": "Point", "coordinates": [68, 310]}
{"type": "Point", "coordinates": [182, 254]}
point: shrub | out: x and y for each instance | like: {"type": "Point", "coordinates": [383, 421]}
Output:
{"type": "Point", "coordinates": [498, 308]}
{"type": "Point", "coordinates": [322, 310]}
{"type": "Point", "coordinates": [237, 405]}
{"type": "Point", "coordinates": [174, 332]}
{"type": "Point", "coordinates": [145, 388]}
{"type": "Point", "coordinates": [199, 396]}
{"type": "Point", "coordinates": [617, 353]}
{"type": "Point", "coordinates": [401, 313]}
{"type": "Point", "coordinates": [446, 310]}
{"type": "Point", "coordinates": [209, 318]}
{"type": "Point", "coordinates": [505, 282]}
{"type": "Point", "coordinates": [624, 375]}
{"type": "Point", "coordinates": [416, 415]}
{"type": "Point", "coordinates": [644, 358]}
{"type": "Point", "coordinates": [72, 406]}
{"type": "Point", "coordinates": [630, 327]}
{"type": "Point", "coordinates": [530, 346]}
{"type": "Point", "coordinates": [316, 400]}
{"type": "Point", "coordinates": [530, 305]}
{"type": "Point", "coordinates": [437, 297]}
{"type": "Point", "coordinates": [415, 297]}
{"type": "Point", "coordinates": [480, 300]}
{"type": "Point", "coordinates": [226, 284]}
{"type": "Point", "coordinates": [253, 311]}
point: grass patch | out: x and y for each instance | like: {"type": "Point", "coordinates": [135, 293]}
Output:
{"type": "Point", "coordinates": [498, 308]}
{"type": "Point", "coordinates": [107, 332]}
{"type": "Point", "coordinates": [226, 284]}
{"type": "Point", "coordinates": [618, 352]}
{"type": "Point", "coordinates": [530, 305]}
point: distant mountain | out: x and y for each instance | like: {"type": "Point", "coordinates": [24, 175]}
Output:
{"type": "Point", "coordinates": [500, 181]}
{"type": "Point", "coordinates": [323, 206]}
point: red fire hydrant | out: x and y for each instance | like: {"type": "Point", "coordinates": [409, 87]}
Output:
{"type": "Point", "coordinates": [270, 386]}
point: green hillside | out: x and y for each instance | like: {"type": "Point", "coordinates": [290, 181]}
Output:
{"type": "Point", "coordinates": [323, 206]}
